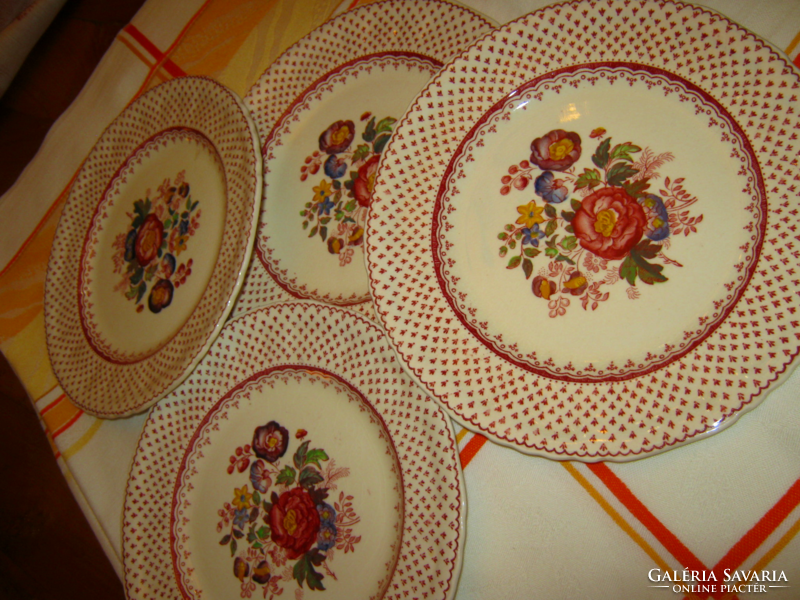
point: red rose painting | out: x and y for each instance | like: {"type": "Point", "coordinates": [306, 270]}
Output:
{"type": "Point", "coordinates": [295, 522]}
{"type": "Point", "coordinates": [609, 223]}
{"type": "Point", "coordinates": [591, 227]}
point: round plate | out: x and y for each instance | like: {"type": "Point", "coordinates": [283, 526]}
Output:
{"type": "Point", "coordinates": [602, 265]}
{"type": "Point", "coordinates": [151, 247]}
{"type": "Point", "coordinates": [325, 111]}
{"type": "Point", "coordinates": [297, 457]}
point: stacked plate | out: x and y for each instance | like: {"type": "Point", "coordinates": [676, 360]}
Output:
{"type": "Point", "coordinates": [509, 227]}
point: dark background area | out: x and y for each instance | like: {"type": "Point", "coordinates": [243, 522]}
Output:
{"type": "Point", "coordinates": [47, 550]}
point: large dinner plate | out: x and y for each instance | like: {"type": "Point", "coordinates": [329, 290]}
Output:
{"type": "Point", "coordinates": [583, 236]}
{"type": "Point", "coordinates": [152, 246]}
{"type": "Point", "coordinates": [297, 458]}
{"type": "Point", "coordinates": [325, 110]}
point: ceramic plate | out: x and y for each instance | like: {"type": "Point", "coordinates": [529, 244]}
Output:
{"type": "Point", "coordinates": [297, 458]}
{"type": "Point", "coordinates": [325, 110]}
{"type": "Point", "coordinates": [582, 237]}
{"type": "Point", "coordinates": [150, 250]}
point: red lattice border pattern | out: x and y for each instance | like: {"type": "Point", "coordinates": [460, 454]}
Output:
{"type": "Point", "coordinates": [433, 29]}
{"type": "Point", "coordinates": [322, 338]}
{"type": "Point", "coordinates": [665, 84]}
{"type": "Point", "coordinates": [93, 383]}
{"type": "Point", "coordinates": [697, 394]}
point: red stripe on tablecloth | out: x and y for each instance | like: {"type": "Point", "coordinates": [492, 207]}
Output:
{"type": "Point", "coordinates": [735, 557]}
{"type": "Point", "coordinates": [471, 449]}
{"type": "Point", "coordinates": [53, 404]}
{"type": "Point", "coordinates": [751, 540]}
{"type": "Point", "coordinates": [668, 539]}
{"type": "Point", "coordinates": [160, 57]}
{"type": "Point", "coordinates": [135, 49]}
{"type": "Point", "coordinates": [797, 60]}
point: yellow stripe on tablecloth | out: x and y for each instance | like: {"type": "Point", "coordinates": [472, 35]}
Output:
{"type": "Point", "coordinates": [794, 43]}
{"type": "Point", "coordinates": [615, 516]}
{"type": "Point", "coordinates": [22, 283]}
{"type": "Point", "coordinates": [52, 442]}
{"type": "Point", "coordinates": [83, 440]}
{"type": "Point", "coordinates": [43, 400]}
{"type": "Point", "coordinates": [27, 353]}
{"type": "Point", "coordinates": [460, 435]}
{"type": "Point", "coordinates": [778, 547]}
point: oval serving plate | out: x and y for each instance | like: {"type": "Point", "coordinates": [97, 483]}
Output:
{"type": "Point", "coordinates": [152, 245]}
{"type": "Point", "coordinates": [297, 458]}
{"type": "Point", "coordinates": [602, 266]}
{"type": "Point", "coordinates": [325, 111]}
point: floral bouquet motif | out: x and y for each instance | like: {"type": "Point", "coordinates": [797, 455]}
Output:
{"type": "Point", "coordinates": [617, 231]}
{"type": "Point", "coordinates": [296, 522]}
{"type": "Point", "coordinates": [146, 254]}
{"type": "Point", "coordinates": [342, 201]}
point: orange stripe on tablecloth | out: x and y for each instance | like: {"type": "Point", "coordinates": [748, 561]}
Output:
{"type": "Point", "coordinates": [668, 539]}
{"type": "Point", "coordinates": [161, 58]}
{"type": "Point", "coordinates": [48, 214]}
{"type": "Point", "coordinates": [751, 540]}
{"type": "Point", "coordinates": [68, 424]}
{"type": "Point", "coordinates": [471, 449]}
{"type": "Point", "coordinates": [616, 517]}
{"type": "Point", "coordinates": [59, 415]}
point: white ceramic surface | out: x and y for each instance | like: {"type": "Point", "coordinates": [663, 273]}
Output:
{"type": "Point", "coordinates": [597, 260]}
{"type": "Point", "coordinates": [298, 460]}
{"type": "Point", "coordinates": [325, 111]}
{"type": "Point", "coordinates": [151, 248]}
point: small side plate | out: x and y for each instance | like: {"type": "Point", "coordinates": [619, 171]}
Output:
{"type": "Point", "coordinates": [152, 245]}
